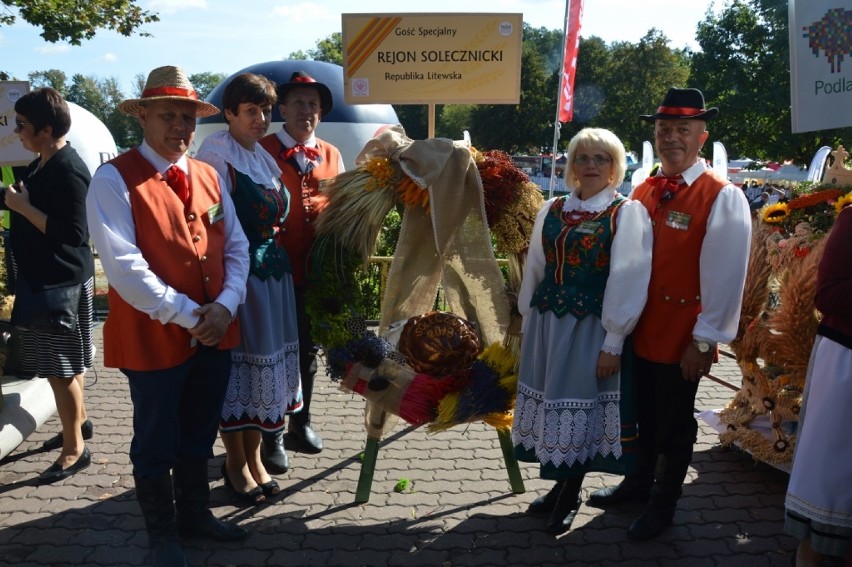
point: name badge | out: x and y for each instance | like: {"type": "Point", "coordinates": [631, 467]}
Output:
{"type": "Point", "coordinates": [588, 227]}
{"type": "Point", "coordinates": [215, 213]}
{"type": "Point", "coordinates": [678, 220]}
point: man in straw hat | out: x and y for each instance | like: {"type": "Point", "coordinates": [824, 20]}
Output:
{"type": "Point", "coordinates": [177, 262]}
{"type": "Point", "coordinates": [304, 160]}
{"type": "Point", "coordinates": [702, 230]}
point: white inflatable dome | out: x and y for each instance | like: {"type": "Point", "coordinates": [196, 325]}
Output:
{"type": "Point", "coordinates": [347, 126]}
{"type": "Point", "coordinates": [90, 138]}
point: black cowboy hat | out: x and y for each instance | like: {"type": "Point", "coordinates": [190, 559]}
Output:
{"type": "Point", "coordinates": [302, 79]}
{"type": "Point", "coordinates": [682, 104]}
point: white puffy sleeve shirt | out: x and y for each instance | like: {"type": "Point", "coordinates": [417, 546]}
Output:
{"type": "Point", "coordinates": [629, 268]}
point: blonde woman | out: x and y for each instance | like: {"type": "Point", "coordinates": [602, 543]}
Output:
{"type": "Point", "coordinates": [584, 286]}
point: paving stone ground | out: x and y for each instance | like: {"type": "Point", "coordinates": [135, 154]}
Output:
{"type": "Point", "coordinates": [460, 512]}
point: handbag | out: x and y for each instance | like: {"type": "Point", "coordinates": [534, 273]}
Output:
{"type": "Point", "coordinates": [51, 310]}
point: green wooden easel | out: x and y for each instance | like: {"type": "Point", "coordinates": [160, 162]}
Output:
{"type": "Point", "coordinates": [371, 454]}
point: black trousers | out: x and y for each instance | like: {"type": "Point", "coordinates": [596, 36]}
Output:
{"type": "Point", "coordinates": [666, 401]}
{"type": "Point", "coordinates": [307, 358]}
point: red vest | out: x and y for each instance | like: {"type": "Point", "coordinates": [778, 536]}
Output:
{"type": "Point", "coordinates": [674, 292]}
{"type": "Point", "coordinates": [297, 235]}
{"type": "Point", "coordinates": [182, 248]}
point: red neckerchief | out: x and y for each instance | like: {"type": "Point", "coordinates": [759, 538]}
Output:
{"type": "Point", "coordinates": [311, 153]}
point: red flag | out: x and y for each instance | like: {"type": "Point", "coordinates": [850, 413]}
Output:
{"type": "Point", "coordinates": [574, 12]}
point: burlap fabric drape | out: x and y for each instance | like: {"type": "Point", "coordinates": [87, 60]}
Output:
{"type": "Point", "coordinates": [449, 244]}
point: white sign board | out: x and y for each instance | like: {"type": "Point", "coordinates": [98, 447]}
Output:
{"type": "Point", "coordinates": [820, 69]}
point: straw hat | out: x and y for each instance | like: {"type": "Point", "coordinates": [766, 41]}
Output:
{"type": "Point", "coordinates": [168, 83]}
{"type": "Point", "coordinates": [302, 79]}
{"type": "Point", "coordinates": [682, 104]}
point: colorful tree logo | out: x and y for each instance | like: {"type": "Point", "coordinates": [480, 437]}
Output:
{"type": "Point", "coordinates": [833, 35]}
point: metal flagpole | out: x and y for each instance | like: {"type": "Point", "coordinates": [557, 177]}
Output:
{"type": "Point", "coordinates": [556, 124]}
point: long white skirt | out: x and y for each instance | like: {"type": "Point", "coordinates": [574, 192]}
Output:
{"type": "Point", "coordinates": [265, 383]}
{"type": "Point", "coordinates": [819, 494]}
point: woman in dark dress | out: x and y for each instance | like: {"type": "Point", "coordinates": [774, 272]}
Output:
{"type": "Point", "coordinates": [49, 241]}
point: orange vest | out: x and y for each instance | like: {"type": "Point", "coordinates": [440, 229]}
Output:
{"type": "Point", "coordinates": [674, 292]}
{"type": "Point", "coordinates": [297, 235]}
{"type": "Point", "coordinates": [182, 248]}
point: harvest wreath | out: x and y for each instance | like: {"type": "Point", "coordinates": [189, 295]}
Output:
{"type": "Point", "coordinates": [456, 201]}
{"type": "Point", "coordinates": [778, 320]}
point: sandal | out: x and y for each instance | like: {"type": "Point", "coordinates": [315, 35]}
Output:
{"type": "Point", "coordinates": [255, 496]}
{"type": "Point", "coordinates": [270, 488]}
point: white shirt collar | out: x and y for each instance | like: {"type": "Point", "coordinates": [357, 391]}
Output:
{"type": "Point", "coordinates": [596, 204]}
{"type": "Point", "coordinates": [160, 163]}
{"type": "Point", "coordinates": [289, 141]}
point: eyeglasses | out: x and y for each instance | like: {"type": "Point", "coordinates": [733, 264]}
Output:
{"type": "Point", "coordinates": [19, 125]}
{"type": "Point", "coordinates": [596, 159]}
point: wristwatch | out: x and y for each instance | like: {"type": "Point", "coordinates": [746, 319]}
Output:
{"type": "Point", "coordinates": [703, 346]}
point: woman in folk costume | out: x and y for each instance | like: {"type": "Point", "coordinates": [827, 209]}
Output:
{"type": "Point", "coordinates": [819, 501]}
{"type": "Point", "coordinates": [584, 286]}
{"type": "Point", "coordinates": [264, 383]}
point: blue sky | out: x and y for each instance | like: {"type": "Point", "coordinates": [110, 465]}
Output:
{"type": "Point", "coordinates": [226, 36]}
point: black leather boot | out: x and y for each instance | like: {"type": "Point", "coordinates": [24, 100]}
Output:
{"type": "Point", "coordinates": [273, 454]}
{"type": "Point", "coordinates": [566, 507]}
{"type": "Point", "coordinates": [300, 435]}
{"type": "Point", "coordinates": [544, 504]}
{"type": "Point", "coordinates": [192, 500]}
{"type": "Point", "coordinates": [635, 487]}
{"type": "Point", "coordinates": [668, 486]}
{"type": "Point", "coordinates": [156, 500]}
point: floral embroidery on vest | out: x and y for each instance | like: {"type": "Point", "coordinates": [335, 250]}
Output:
{"type": "Point", "coordinates": [577, 250]}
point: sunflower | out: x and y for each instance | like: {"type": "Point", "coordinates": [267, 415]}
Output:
{"type": "Point", "coordinates": [775, 214]}
{"type": "Point", "coordinates": [843, 201]}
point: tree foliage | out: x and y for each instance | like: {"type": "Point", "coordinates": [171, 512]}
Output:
{"type": "Point", "coordinates": [74, 21]}
{"type": "Point", "coordinates": [329, 50]}
{"type": "Point", "coordinates": [205, 82]}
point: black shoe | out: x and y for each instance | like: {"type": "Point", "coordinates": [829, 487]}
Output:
{"type": "Point", "coordinates": [207, 526]}
{"type": "Point", "coordinates": [543, 505]}
{"type": "Point", "coordinates": [55, 442]}
{"type": "Point", "coordinates": [653, 522]}
{"type": "Point", "coordinates": [627, 491]}
{"type": "Point", "coordinates": [56, 473]}
{"type": "Point", "coordinates": [273, 454]}
{"type": "Point", "coordinates": [253, 497]}
{"type": "Point", "coordinates": [303, 439]}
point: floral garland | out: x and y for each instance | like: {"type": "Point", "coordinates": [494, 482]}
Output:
{"type": "Point", "coordinates": [778, 321]}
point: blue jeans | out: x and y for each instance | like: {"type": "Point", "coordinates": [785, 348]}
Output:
{"type": "Point", "coordinates": [176, 411]}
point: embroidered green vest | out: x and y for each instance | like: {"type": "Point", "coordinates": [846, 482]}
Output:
{"type": "Point", "coordinates": [576, 249]}
{"type": "Point", "coordinates": [261, 211]}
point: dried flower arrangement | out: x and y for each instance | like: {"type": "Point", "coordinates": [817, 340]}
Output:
{"type": "Point", "coordinates": [778, 320]}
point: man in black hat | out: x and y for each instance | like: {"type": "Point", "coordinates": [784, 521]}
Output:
{"type": "Point", "coordinates": [304, 160]}
{"type": "Point", "coordinates": [702, 232]}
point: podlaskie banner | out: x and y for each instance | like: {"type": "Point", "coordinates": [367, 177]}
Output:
{"type": "Point", "coordinates": [820, 71]}
{"type": "Point", "coordinates": [432, 58]}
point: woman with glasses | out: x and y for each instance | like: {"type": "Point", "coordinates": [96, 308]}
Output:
{"type": "Point", "coordinates": [49, 240]}
{"type": "Point", "coordinates": [584, 286]}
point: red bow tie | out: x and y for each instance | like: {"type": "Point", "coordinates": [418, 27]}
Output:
{"type": "Point", "coordinates": [311, 153]}
{"type": "Point", "coordinates": [665, 188]}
